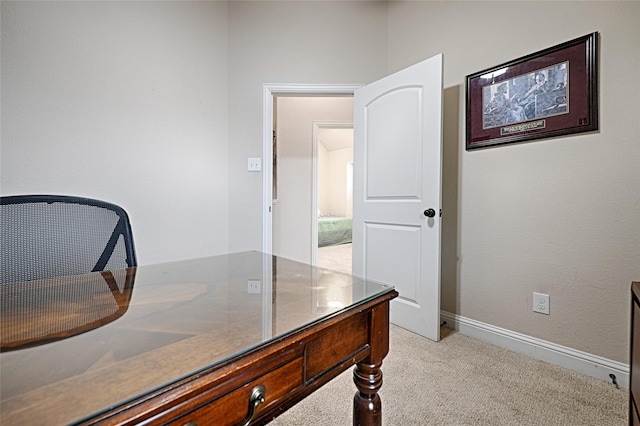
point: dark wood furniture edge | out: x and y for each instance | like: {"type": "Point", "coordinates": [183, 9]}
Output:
{"type": "Point", "coordinates": [367, 406]}
{"type": "Point", "coordinates": [634, 376]}
{"type": "Point", "coordinates": [278, 352]}
{"type": "Point", "coordinates": [366, 389]}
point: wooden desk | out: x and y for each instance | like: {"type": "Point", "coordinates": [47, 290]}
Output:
{"type": "Point", "coordinates": [189, 342]}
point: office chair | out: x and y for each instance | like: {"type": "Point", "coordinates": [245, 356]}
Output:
{"type": "Point", "coordinates": [45, 236]}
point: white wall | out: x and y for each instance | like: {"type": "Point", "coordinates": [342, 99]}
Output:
{"type": "Point", "coordinates": [341, 42]}
{"type": "Point", "coordinates": [126, 102]}
{"type": "Point", "coordinates": [558, 216]}
{"type": "Point", "coordinates": [324, 176]}
{"type": "Point", "coordinates": [337, 181]}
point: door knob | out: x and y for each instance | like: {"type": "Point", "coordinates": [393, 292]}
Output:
{"type": "Point", "coordinates": [430, 213]}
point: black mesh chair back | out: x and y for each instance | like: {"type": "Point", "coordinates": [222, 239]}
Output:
{"type": "Point", "coordinates": [46, 236]}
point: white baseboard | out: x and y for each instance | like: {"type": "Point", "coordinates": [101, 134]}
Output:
{"type": "Point", "coordinates": [582, 362]}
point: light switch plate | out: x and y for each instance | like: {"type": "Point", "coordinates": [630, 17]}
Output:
{"type": "Point", "coordinates": [254, 164]}
{"type": "Point", "coordinates": [253, 286]}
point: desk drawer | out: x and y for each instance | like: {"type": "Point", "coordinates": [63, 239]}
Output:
{"type": "Point", "coordinates": [232, 408]}
{"type": "Point", "coordinates": [337, 345]}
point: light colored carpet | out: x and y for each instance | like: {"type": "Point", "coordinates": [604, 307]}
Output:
{"type": "Point", "coordinates": [464, 381]}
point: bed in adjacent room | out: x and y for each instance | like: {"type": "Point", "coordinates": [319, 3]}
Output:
{"type": "Point", "coordinates": [334, 230]}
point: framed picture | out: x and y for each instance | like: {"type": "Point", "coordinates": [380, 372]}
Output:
{"type": "Point", "coordinates": [549, 93]}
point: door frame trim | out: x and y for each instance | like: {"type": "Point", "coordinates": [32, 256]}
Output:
{"type": "Point", "coordinates": [269, 92]}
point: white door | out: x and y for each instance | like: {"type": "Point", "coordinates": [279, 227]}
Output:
{"type": "Point", "coordinates": [397, 179]}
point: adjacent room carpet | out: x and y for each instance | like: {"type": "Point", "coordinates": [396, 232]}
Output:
{"type": "Point", "coordinates": [337, 258]}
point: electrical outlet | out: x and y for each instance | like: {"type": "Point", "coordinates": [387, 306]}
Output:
{"type": "Point", "coordinates": [541, 303]}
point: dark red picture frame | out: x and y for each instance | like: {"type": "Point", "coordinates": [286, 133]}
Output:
{"type": "Point", "coordinates": [553, 92]}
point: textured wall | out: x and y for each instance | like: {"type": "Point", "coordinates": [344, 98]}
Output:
{"type": "Point", "coordinates": [289, 42]}
{"type": "Point", "coordinates": [126, 102]}
{"type": "Point", "coordinates": [157, 105]}
{"type": "Point", "coordinates": [557, 216]}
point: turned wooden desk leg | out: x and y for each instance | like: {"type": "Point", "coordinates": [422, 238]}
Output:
{"type": "Point", "coordinates": [367, 406]}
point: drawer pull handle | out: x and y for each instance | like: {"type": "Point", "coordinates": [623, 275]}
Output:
{"type": "Point", "coordinates": [256, 398]}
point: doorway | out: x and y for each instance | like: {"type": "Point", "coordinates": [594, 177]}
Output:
{"type": "Point", "coordinates": [290, 204]}
{"type": "Point", "coordinates": [333, 180]}
{"type": "Point", "coordinates": [396, 230]}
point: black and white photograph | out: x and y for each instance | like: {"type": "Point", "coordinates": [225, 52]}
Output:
{"type": "Point", "coordinates": [542, 93]}
{"type": "Point", "coordinates": [549, 93]}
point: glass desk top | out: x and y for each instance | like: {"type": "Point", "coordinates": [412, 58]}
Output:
{"type": "Point", "coordinates": [86, 336]}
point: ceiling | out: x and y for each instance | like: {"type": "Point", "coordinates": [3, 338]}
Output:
{"type": "Point", "coordinates": [333, 139]}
